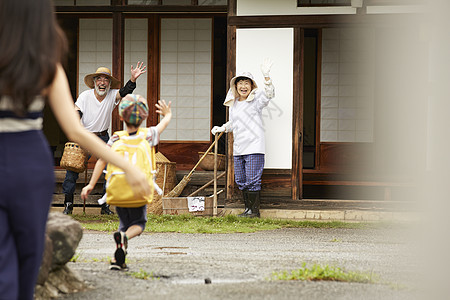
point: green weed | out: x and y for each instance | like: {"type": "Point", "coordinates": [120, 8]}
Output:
{"type": "Point", "coordinates": [75, 257]}
{"type": "Point", "coordinates": [142, 275]}
{"type": "Point", "coordinates": [228, 224]}
{"type": "Point", "coordinates": [327, 273]}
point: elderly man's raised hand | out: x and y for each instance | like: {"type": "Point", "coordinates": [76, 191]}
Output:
{"type": "Point", "coordinates": [138, 71]}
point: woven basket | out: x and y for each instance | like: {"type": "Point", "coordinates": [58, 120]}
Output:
{"type": "Point", "coordinates": [207, 163]}
{"type": "Point", "coordinates": [166, 175]}
{"type": "Point", "coordinates": [166, 179]}
{"type": "Point", "coordinates": [74, 158]}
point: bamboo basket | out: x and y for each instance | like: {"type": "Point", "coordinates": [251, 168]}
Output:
{"type": "Point", "coordinates": [166, 179]}
{"type": "Point", "coordinates": [207, 163]}
{"type": "Point", "coordinates": [74, 158]}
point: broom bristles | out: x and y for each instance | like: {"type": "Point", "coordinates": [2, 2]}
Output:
{"type": "Point", "coordinates": [176, 191]}
{"type": "Point", "coordinates": [155, 207]}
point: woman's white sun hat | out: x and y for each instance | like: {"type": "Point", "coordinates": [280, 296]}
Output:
{"type": "Point", "coordinates": [232, 92]}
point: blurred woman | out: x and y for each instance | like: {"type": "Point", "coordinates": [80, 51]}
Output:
{"type": "Point", "coordinates": [32, 45]}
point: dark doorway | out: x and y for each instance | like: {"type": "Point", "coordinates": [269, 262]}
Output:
{"type": "Point", "coordinates": [219, 75]}
{"type": "Point", "coordinates": [310, 70]}
{"type": "Point", "coordinates": [52, 131]}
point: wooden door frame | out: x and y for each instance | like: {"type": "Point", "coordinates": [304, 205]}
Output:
{"type": "Point", "coordinates": [231, 69]}
{"type": "Point", "coordinates": [297, 116]}
{"type": "Point", "coordinates": [117, 60]}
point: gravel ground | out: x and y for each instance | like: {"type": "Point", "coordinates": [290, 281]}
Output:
{"type": "Point", "coordinates": [239, 265]}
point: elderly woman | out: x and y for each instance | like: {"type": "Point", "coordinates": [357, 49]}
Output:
{"type": "Point", "coordinates": [246, 102]}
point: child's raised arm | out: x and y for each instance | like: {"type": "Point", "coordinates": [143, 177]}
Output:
{"type": "Point", "coordinates": [164, 110]}
{"type": "Point", "coordinates": [98, 169]}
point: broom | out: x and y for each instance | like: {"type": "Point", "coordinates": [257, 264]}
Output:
{"type": "Point", "coordinates": [156, 207]}
{"type": "Point", "coordinates": [176, 191]}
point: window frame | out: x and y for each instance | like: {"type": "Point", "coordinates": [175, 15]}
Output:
{"type": "Point", "coordinates": [300, 4]}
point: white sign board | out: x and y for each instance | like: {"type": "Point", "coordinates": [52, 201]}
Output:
{"type": "Point", "coordinates": [252, 47]}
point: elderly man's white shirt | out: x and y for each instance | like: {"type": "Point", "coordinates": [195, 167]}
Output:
{"type": "Point", "coordinates": [96, 115]}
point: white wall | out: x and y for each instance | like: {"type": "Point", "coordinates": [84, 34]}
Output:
{"type": "Point", "coordinates": [347, 87]}
{"type": "Point", "coordinates": [285, 7]}
{"type": "Point", "coordinates": [136, 39]}
{"type": "Point", "coordinates": [252, 46]}
{"type": "Point", "coordinates": [186, 55]}
{"type": "Point", "coordinates": [95, 48]}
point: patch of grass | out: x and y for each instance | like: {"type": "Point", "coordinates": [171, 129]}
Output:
{"type": "Point", "coordinates": [142, 275]}
{"type": "Point", "coordinates": [231, 224]}
{"type": "Point", "coordinates": [75, 257]}
{"type": "Point", "coordinates": [228, 224]}
{"type": "Point", "coordinates": [108, 223]}
{"type": "Point", "coordinates": [327, 273]}
{"type": "Point", "coordinates": [103, 259]}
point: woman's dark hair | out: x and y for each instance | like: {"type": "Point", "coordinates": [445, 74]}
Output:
{"type": "Point", "coordinates": [32, 44]}
{"type": "Point", "coordinates": [240, 78]}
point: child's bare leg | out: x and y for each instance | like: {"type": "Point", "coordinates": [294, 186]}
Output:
{"type": "Point", "coordinates": [133, 231]}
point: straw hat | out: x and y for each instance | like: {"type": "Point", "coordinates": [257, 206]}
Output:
{"type": "Point", "coordinates": [89, 79]}
{"type": "Point", "coordinates": [232, 92]}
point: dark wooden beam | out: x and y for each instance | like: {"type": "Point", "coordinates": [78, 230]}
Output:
{"type": "Point", "coordinates": [117, 60]}
{"type": "Point", "coordinates": [314, 21]}
{"type": "Point", "coordinates": [143, 9]}
{"type": "Point", "coordinates": [231, 69]}
{"type": "Point", "coordinates": [153, 68]}
{"type": "Point", "coordinates": [232, 8]}
{"type": "Point", "coordinates": [318, 98]}
{"type": "Point", "coordinates": [297, 115]}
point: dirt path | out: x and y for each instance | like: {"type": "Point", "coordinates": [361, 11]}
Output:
{"type": "Point", "coordinates": [239, 265]}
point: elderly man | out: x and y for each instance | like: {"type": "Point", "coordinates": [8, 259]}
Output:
{"type": "Point", "coordinates": [95, 107]}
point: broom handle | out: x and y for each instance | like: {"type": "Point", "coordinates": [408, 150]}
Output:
{"type": "Point", "coordinates": [201, 158]}
{"type": "Point", "coordinates": [215, 177]}
{"type": "Point", "coordinates": [194, 193]}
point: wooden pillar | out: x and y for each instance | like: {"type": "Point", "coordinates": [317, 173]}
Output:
{"type": "Point", "coordinates": [231, 69]}
{"type": "Point", "coordinates": [117, 60]}
{"type": "Point", "coordinates": [153, 68]}
{"type": "Point", "coordinates": [297, 116]}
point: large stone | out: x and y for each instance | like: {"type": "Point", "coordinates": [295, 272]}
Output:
{"type": "Point", "coordinates": [46, 263]}
{"type": "Point", "coordinates": [61, 281]}
{"type": "Point", "coordinates": [65, 233]}
{"type": "Point", "coordinates": [62, 239]}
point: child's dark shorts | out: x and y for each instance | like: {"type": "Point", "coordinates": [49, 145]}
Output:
{"type": "Point", "coordinates": [130, 216]}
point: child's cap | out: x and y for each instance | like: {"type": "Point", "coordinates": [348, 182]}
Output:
{"type": "Point", "coordinates": [132, 110]}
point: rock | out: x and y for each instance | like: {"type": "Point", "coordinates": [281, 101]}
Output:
{"type": "Point", "coordinates": [62, 238]}
{"type": "Point", "coordinates": [65, 234]}
{"type": "Point", "coordinates": [63, 280]}
{"type": "Point", "coordinates": [66, 281]}
{"type": "Point", "coordinates": [46, 263]}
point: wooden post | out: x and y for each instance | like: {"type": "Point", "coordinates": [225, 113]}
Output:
{"type": "Point", "coordinates": [216, 137]}
{"type": "Point", "coordinates": [231, 69]}
{"type": "Point", "coordinates": [85, 183]}
{"type": "Point", "coordinates": [117, 61]}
